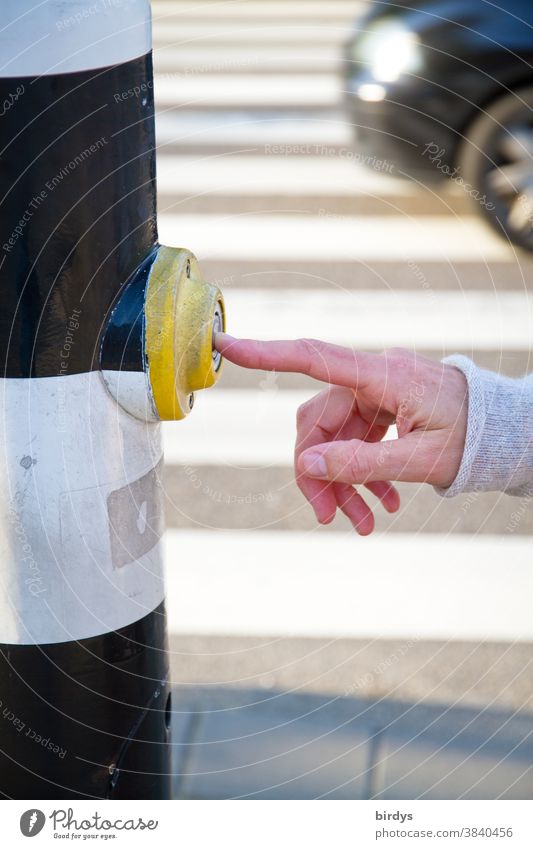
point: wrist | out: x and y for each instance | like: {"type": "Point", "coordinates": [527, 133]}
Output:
{"type": "Point", "coordinates": [498, 448]}
{"type": "Point", "coordinates": [456, 398]}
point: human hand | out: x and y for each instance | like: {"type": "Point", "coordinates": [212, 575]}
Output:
{"type": "Point", "coordinates": [340, 430]}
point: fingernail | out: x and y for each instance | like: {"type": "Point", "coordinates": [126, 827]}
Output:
{"type": "Point", "coordinates": [224, 338]}
{"type": "Point", "coordinates": [314, 464]}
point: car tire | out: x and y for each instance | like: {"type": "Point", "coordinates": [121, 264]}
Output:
{"type": "Point", "coordinates": [495, 161]}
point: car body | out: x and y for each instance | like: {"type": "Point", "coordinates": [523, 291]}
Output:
{"type": "Point", "coordinates": [421, 76]}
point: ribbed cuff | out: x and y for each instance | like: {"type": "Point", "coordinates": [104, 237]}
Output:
{"type": "Point", "coordinates": [498, 452]}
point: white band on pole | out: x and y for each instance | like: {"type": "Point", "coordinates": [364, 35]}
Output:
{"type": "Point", "coordinates": [58, 37]}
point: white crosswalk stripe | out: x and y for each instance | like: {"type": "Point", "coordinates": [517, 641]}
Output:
{"type": "Point", "coordinates": [215, 59]}
{"type": "Point", "coordinates": [276, 173]}
{"type": "Point", "coordinates": [227, 9]}
{"type": "Point", "coordinates": [468, 320]}
{"type": "Point", "coordinates": [245, 32]}
{"type": "Point", "coordinates": [242, 129]}
{"type": "Point", "coordinates": [293, 584]}
{"type": "Point", "coordinates": [268, 413]}
{"type": "Point", "coordinates": [249, 105]}
{"type": "Point", "coordinates": [245, 89]}
{"type": "Point", "coordinates": [334, 237]}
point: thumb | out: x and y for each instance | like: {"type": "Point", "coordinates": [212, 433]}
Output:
{"type": "Point", "coordinates": [354, 461]}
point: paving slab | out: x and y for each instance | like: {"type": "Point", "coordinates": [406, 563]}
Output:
{"type": "Point", "coordinates": [266, 753]}
{"type": "Point", "coordinates": [409, 769]}
{"type": "Point", "coordinates": [245, 743]}
{"type": "Point", "coordinates": [422, 672]}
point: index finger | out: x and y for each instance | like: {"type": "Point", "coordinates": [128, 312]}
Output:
{"type": "Point", "coordinates": [329, 363]}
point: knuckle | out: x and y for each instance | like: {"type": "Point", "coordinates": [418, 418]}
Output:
{"type": "Point", "coordinates": [301, 415]}
{"type": "Point", "coordinates": [308, 347]}
{"type": "Point", "coordinates": [254, 355]}
{"type": "Point", "coordinates": [360, 467]}
{"type": "Point", "coordinates": [400, 359]}
{"type": "Point", "coordinates": [311, 344]}
{"type": "Point", "coordinates": [356, 465]}
{"type": "Point", "coordinates": [312, 349]}
{"type": "Point", "coordinates": [402, 366]}
{"type": "Point", "coordinates": [393, 352]}
{"type": "Point", "coordinates": [435, 463]}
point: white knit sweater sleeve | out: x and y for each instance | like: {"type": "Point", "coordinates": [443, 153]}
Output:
{"type": "Point", "coordinates": [498, 452]}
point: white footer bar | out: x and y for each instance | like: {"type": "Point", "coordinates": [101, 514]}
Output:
{"type": "Point", "coordinates": [246, 823]}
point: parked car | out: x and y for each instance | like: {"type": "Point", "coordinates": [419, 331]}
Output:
{"type": "Point", "coordinates": [444, 88]}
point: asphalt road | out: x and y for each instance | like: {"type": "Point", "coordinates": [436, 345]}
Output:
{"type": "Point", "coordinates": [258, 174]}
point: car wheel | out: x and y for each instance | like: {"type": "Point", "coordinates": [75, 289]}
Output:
{"type": "Point", "coordinates": [496, 163]}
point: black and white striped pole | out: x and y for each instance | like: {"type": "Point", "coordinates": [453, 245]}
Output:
{"type": "Point", "coordinates": [103, 333]}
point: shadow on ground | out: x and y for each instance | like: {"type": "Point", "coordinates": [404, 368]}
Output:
{"type": "Point", "coordinates": [248, 743]}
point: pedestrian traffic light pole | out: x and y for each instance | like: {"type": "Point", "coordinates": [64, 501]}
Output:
{"type": "Point", "coordinates": [103, 334]}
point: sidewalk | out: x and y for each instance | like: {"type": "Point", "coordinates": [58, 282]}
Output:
{"type": "Point", "coordinates": [231, 743]}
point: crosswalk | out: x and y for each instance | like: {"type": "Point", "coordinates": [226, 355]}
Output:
{"type": "Point", "coordinates": [271, 174]}
{"type": "Point", "coordinates": [327, 237]}
{"type": "Point", "coordinates": [351, 599]}
{"type": "Point", "coordinates": [257, 174]}
{"type": "Point", "coordinates": [211, 90]}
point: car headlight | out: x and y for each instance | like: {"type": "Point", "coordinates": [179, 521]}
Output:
{"type": "Point", "coordinates": [389, 50]}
